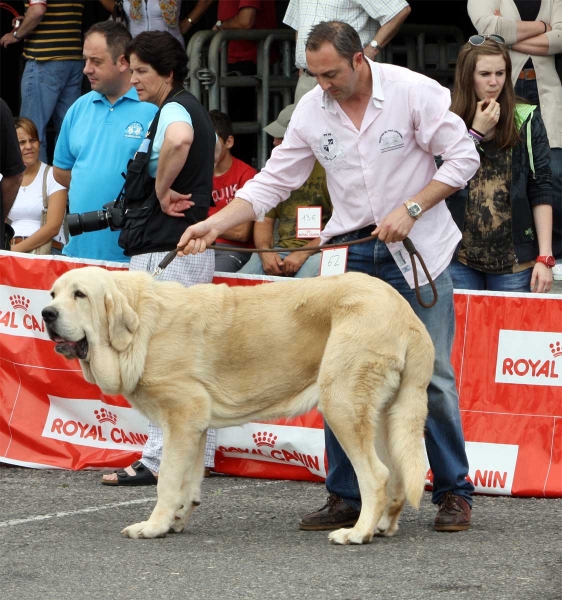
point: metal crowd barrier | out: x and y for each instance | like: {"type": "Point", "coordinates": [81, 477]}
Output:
{"type": "Point", "coordinates": [209, 81]}
{"type": "Point", "coordinates": [428, 49]}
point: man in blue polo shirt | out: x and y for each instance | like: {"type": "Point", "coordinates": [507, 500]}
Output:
{"type": "Point", "coordinates": [100, 133]}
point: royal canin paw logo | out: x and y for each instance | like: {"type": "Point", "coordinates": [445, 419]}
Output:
{"type": "Point", "coordinates": [264, 439]}
{"type": "Point", "coordinates": [104, 416]}
{"type": "Point", "coordinates": [18, 301]}
{"type": "Point", "coordinates": [556, 349]}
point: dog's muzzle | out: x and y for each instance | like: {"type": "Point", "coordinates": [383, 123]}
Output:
{"type": "Point", "coordinates": [68, 348]}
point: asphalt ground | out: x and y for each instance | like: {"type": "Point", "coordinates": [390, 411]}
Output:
{"type": "Point", "coordinates": [59, 539]}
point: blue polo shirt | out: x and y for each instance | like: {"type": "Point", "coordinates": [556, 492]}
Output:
{"type": "Point", "coordinates": [96, 141]}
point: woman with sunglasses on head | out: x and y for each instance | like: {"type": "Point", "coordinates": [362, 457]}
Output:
{"type": "Point", "coordinates": [505, 212]}
{"type": "Point", "coordinates": [533, 33]}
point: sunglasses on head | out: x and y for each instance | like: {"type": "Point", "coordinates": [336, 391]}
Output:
{"type": "Point", "coordinates": [478, 40]}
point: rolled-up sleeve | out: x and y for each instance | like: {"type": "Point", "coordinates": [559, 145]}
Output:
{"type": "Point", "coordinates": [288, 168]}
{"type": "Point", "coordinates": [443, 133]}
{"type": "Point", "coordinates": [481, 13]}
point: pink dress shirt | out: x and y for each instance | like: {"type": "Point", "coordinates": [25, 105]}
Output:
{"type": "Point", "coordinates": [374, 170]}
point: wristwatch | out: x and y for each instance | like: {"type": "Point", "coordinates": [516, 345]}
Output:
{"type": "Point", "coordinates": [374, 44]}
{"type": "Point", "coordinates": [549, 261]}
{"type": "Point", "coordinates": [15, 34]}
{"type": "Point", "coordinates": [218, 24]}
{"type": "Point", "coordinates": [414, 209]}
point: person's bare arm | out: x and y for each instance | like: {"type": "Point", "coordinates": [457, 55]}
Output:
{"type": "Point", "coordinates": [10, 188]}
{"type": "Point", "coordinates": [387, 32]}
{"type": "Point", "coordinates": [62, 176]}
{"type": "Point", "coordinates": [109, 5]}
{"type": "Point", "coordinates": [244, 19]}
{"type": "Point", "coordinates": [32, 18]}
{"type": "Point", "coordinates": [198, 11]}
{"type": "Point", "coordinates": [272, 263]}
{"type": "Point", "coordinates": [55, 215]}
{"type": "Point", "coordinates": [294, 261]}
{"type": "Point", "coordinates": [541, 279]}
{"type": "Point", "coordinates": [173, 154]}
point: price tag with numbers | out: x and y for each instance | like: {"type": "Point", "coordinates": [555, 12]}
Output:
{"type": "Point", "coordinates": [309, 221]}
{"type": "Point", "coordinates": [334, 261]}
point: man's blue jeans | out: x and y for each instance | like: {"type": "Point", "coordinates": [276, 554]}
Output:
{"type": "Point", "coordinates": [310, 267]}
{"type": "Point", "coordinates": [444, 438]}
{"type": "Point", "coordinates": [48, 89]}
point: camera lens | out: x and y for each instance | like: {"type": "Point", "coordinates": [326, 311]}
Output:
{"type": "Point", "coordinates": [89, 221]}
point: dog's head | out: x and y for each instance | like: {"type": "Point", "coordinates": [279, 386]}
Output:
{"type": "Point", "coordinates": [90, 318]}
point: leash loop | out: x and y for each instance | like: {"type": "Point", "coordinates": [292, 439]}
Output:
{"type": "Point", "coordinates": [408, 244]}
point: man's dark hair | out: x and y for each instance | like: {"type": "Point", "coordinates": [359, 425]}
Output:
{"type": "Point", "coordinates": [342, 36]}
{"type": "Point", "coordinates": [162, 51]}
{"type": "Point", "coordinates": [116, 36]}
{"type": "Point", "coordinates": [222, 124]}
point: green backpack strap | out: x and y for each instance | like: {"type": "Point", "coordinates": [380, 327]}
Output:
{"type": "Point", "coordinates": [522, 112]}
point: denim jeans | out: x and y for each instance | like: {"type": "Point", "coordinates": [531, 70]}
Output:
{"type": "Point", "coordinates": [310, 267]}
{"type": "Point", "coordinates": [467, 278]}
{"type": "Point", "coordinates": [444, 438]}
{"type": "Point", "coordinates": [48, 89]}
{"type": "Point", "coordinates": [529, 91]}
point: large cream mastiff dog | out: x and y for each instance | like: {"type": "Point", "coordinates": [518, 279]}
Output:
{"type": "Point", "coordinates": [216, 356]}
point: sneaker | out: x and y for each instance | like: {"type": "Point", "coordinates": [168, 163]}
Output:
{"type": "Point", "coordinates": [453, 514]}
{"type": "Point", "coordinates": [333, 515]}
{"type": "Point", "coordinates": [557, 272]}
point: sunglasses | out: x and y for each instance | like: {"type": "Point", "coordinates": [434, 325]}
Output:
{"type": "Point", "coordinates": [478, 40]}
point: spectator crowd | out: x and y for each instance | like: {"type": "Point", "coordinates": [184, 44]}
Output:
{"type": "Point", "coordinates": [474, 177]}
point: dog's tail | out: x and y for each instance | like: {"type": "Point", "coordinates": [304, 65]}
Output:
{"type": "Point", "coordinates": [407, 415]}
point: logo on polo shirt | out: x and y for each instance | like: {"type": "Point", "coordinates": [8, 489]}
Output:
{"type": "Point", "coordinates": [134, 130]}
{"type": "Point", "coordinates": [391, 140]}
{"type": "Point", "coordinates": [330, 148]}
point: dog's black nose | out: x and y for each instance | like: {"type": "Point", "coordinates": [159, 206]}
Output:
{"type": "Point", "coordinates": [49, 314]}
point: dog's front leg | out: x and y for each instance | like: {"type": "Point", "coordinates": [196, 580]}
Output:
{"type": "Point", "coordinates": [191, 488]}
{"type": "Point", "coordinates": [181, 447]}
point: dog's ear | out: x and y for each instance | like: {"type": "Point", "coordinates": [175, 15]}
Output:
{"type": "Point", "coordinates": [123, 320]}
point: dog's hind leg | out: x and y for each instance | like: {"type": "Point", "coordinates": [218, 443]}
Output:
{"type": "Point", "coordinates": [354, 423]}
{"type": "Point", "coordinates": [395, 493]}
{"type": "Point", "coordinates": [181, 447]}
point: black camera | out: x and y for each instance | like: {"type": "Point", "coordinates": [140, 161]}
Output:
{"type": "Point", "coordinates": [111, 215]}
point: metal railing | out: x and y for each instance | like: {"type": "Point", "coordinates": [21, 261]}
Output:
{"type": "Point", "coordinates": [428, 49]}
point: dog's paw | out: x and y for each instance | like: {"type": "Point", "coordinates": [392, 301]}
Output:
{"type": "Point", "coordinates": [349, 536]}
{"type": "Point", "coordinates": [145, 530]}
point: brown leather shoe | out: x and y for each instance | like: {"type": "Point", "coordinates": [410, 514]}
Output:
{"type": "Point", "coordinates": [453, 514]}
{"type": "Point", "coordinates": [333, 515]}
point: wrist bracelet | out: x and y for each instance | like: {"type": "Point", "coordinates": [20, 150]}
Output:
{"type": "Point", "coordinates": [476, 134]}
{"type": "Point", "coordinates": [475, 139]}
{"type": "Point", "coordinates": [544, 26]}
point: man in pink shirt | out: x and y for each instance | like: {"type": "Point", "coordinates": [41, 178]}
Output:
{"type": "Point", "coordinates": [376, 129]}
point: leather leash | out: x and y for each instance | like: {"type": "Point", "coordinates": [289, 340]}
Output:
{"type": "Point", "coordinates": [408, 244]}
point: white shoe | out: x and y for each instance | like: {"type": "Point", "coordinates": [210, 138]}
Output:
{"type": "Point", "coordinates": [557, 272]}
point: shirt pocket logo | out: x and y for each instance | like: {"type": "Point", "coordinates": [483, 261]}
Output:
{"type": "Point", "coordinates": [134, 130]}
{"type": "Point", "coordinates": [390, 140]}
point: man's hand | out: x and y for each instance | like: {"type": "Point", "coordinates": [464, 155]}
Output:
{"type": "Point", "coordinates": [174, 204]}
{"type": "Point", "coordinates": [7, 39]}
{"type": "Point", "coordinates": [196, 238]}
{"type": "Point", "coordinates": [395, 226]}
{"type": "Point", "coordinates": [272, 263]}
{"type": "Point", "coordinates": [370, 52]}
{"type": "Point", "coordinates": [293, 262]}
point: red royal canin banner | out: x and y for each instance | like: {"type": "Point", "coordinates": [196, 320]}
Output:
{"type": "Point", "coordinates": [507, 357]}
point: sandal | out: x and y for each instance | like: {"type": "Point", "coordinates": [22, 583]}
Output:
{"type": "Point", "coordinates": [143, 476]}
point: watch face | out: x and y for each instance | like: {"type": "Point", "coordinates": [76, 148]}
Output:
{"type": "Point", "coordinates": [414, 210]}
{"type": "Point", "coordinates": [549, 261]}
